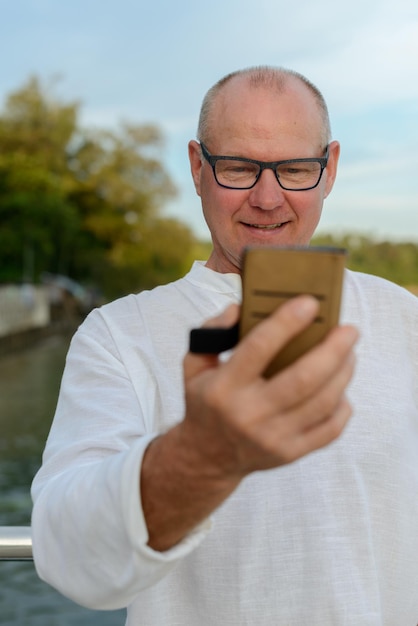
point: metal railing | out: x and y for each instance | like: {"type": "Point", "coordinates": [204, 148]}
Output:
{"type": "Point", "coordinates": [15, 543]}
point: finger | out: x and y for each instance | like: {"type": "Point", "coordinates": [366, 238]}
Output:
{"type": "Point", "coordinates": [286, 429]}
{"type": "Point", "coordinates": [228, 317]}
{"type": "Point", "coordinates": [307, 414]}
{"type": "Point", "coordinates": [304, 378]}
{"type": "Point", "coordinates": [322, 434]}
{"type": "Point", "coordinates": [194, 363]}
{"type": "Point", "coordinates": [262, 343]}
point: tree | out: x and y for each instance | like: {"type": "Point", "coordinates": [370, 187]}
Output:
{"type": "Point", "coordinates": [36, 216]}
{"type": "Point", "coordinates": [83, 202]}
{"type": "Point", "coordinates": [395, 261]}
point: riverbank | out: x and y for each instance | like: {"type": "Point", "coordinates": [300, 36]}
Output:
{"type": "Point", "coordinates": [24, 339]}
{"type": "Point", "coordinates": [29, 314]}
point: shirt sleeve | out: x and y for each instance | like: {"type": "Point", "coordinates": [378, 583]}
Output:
{"type": "Point", "coordinates": [89, 532]}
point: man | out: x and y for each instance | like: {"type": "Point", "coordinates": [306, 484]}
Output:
{"type": "Point", "coordinates": [208, 494]}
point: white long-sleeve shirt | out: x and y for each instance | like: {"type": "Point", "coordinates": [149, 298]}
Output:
{"type": "Point", "coordinates": [331, 539]}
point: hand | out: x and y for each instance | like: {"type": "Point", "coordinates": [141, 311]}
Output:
{"type": "Point", "coordinates": [239, 422]}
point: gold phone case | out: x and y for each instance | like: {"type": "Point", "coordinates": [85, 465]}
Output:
{"type": "Point", "coordinates": [273, 275]}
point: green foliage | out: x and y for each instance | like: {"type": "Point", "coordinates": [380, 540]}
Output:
{"type": "Point", "coordinates": [84, 202]}
{"type": "Point", "coordinates": [396, 261]}
{"type": "Point", "coordinates": [37, 221]}
{"type": "Point", "coordinates": [159, 252]}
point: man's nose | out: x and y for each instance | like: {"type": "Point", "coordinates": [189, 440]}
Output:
{"type": "Point", "coordinates": [267, 193]}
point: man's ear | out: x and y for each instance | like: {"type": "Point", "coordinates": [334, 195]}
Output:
{"type": "Point", "coordinates": [331, 170]}
{"type": "Point", "coordinates": [195, 159]}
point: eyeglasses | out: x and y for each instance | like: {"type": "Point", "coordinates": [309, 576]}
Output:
{"type": "Point", "coordinates": [241, 173]}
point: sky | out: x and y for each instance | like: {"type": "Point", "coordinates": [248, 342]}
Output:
{"type": "Point", "coordinates": [152, 62]}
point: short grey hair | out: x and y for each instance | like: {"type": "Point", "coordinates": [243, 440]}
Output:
{"type": "Point", "coordinates": [261, 76]}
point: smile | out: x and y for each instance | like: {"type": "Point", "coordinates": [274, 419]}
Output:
{"type": "Point", "coordinates": [266, 226]}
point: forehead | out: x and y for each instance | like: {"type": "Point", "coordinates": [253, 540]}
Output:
{"type": "Point", "coordinates": [258, 116]}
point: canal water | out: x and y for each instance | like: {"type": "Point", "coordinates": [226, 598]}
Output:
{"type": "Point", "coordinates": [29, 383]}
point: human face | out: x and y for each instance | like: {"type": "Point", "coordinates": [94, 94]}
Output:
{"type": "Point", "coordinates": [259, 123]}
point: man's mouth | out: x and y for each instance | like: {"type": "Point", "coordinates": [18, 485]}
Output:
{"type": "Point", "coordinates": [266, 226]}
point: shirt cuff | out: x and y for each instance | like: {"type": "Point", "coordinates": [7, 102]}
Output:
{"type": "Point", "coordinates": [133, 513]}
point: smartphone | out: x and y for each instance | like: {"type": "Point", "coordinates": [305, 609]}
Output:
{"type": "Point", "coordinates": [270, 276]}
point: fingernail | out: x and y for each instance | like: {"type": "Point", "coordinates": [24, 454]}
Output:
{"type": "Point", "coordinates": [305, 307]}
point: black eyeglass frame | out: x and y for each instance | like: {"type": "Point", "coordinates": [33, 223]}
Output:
{"type": "Point", "coordinates": [265, 165]}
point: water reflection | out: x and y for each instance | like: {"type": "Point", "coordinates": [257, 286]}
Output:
{"type": "Point", "coordinates": [29, 384]}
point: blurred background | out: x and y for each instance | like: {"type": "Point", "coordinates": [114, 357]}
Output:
{"type": "Point", "coordinates": [98, 100]}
